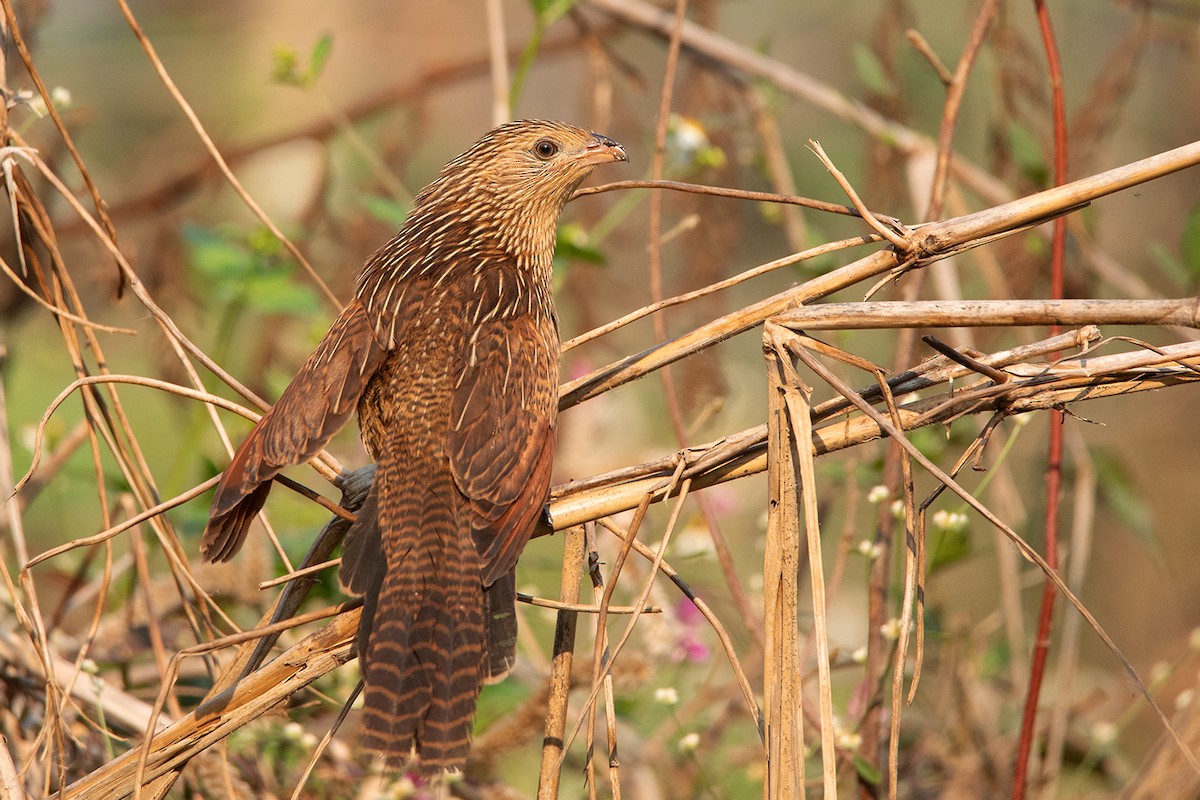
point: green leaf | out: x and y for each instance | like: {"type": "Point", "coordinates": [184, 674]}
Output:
{"type": "Point", "coordinates": [285, 63]}
{"type": "Point", "coordinates": [546, 12]}
{"type": "Point", "coordinates": [1171, 266]}
{"type": "Point", "coordinates": [870, 70]}
{"type": "Point", "coordinates": [930, 441]}
{"type": "Point", "coordinates": [1120, 493]}
{"type": "Point", "coordinates": [385, 209]}
{"type": "Point", "coordinates": [319, 56]}
{"type": "Point", "coordinates": [867, 771]}
{"type": "Point", "coordinates": [215, 256]}
{"type": "Point", "coordinates": [948, 547]}
{"type": "Point", "coordinates": [497, 702]}
{"type": "Point", "coordinates": [1027, 153]}
{"type": "Point", "coordinates": [573, 243]}
{"type": "Point", "coordinates": [996, 659]}
{"type": "Point", "coordinates": [244, 267]}
{"type": "Point", "coordinates": [549, 11]}
{"type": "Point", "coordinates": [1189, 242]}
{"type": "Point", "coordinates": [263, 242]}
{"type": "Point", "coordinates": [276, 293]}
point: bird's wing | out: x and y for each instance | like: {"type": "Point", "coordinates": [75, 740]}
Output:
{"type": "Point", "coordinates": [501, 442]}
{"type": "Point", "coordinates": [314, 406]}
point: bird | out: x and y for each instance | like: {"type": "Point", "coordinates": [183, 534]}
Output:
{"type": "Point", "coordinates": [449, 352]}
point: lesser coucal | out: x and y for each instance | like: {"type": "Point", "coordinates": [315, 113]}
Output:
{"type": "Point", "coordinates": [449, 351]}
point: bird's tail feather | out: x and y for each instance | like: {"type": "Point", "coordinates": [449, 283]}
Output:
{"type": "Point", "coordinates": [500, 619]}
{"type": "Point", "coordinates": [423, 652]}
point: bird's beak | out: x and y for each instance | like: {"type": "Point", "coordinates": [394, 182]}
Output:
{"type": "Point", "coordinates": [602, 150]}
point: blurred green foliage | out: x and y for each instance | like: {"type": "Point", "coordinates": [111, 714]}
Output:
{"type": "Point", "coordinates": [246, 267]}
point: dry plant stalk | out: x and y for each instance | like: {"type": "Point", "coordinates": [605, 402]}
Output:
{"type": "Point", "coordinates": [783, 718]}
{"type": "Point", "coordinates": [253, 696]}
{"type": "Point", "coordinates": [560, 669]}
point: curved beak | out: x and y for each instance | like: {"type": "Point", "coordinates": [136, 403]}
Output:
{"type": "Point", "coordinates": [602, 150]}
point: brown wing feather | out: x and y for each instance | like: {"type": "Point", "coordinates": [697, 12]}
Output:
{"type": "Point", "coordinates": [501, 442]}
{"type": "Point", "coordinates": [314, 406]}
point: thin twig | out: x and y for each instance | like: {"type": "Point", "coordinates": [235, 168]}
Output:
{"type": "Point", "coordinates": [211, 146]}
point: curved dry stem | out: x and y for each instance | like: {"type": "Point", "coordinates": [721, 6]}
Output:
{"type": "Point", "coordinates": [723, 191]}
{"type": "Point", "coordinates": [132, 522]}
{"type": "Point", "coordinates": [712, 288]}
{"type": "Point", "coordinates": [133, 380]}
{"type": "Point", "coordinates": [61, 313]}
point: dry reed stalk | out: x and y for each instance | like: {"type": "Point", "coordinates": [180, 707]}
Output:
{"type": "Point", "coordinates": [925, 244]}
{"type": "Point", "coordinates": [896, 433]}
{"type": "Point", "coordinates": [257, 693]}
{"type": "Point", "coordinates": [1038, 387]}
{"type": "Point", "coordinates": [560, 669]}
{"type": "Point", "coordinates": [783, 719]}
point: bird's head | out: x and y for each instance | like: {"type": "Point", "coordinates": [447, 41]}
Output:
{"type": "Point", "coordinates": [533, 165]}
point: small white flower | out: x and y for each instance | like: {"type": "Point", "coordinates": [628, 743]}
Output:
{"type": "Point", "coordinates": [687, 135]}
{"type": "Point", "coordinates": [871, 550]}
{"type": "Point", "coordinates": [293, 731]}
{"type": "Point", "coordinates": [949, 520]}
{"type": "Point", "coordinates": [689, 742]}
{"type": "Point", "coordinates": [1159, 672]}
{"type": "Point", "coordinates": [308, 740]}
{"type": "Point", "coordinates": [897, 509]}
{"type": "Point", "coordinates": [877, 494]}
{"type": "Point", "coordinates": [666, 695]}
{"type": "Point", "coordinates": [859, 656]}
{"type": "Point", "coordinates": [1104, 733]}
{"type": "Point", "coordinates": [891, 629]}
{"type": "Point", "coordinates": [847, 740]}
{"type": "Point", "coordinates": [60, 97]}
{"type": "Point", "coordinates": [89, 667]}
{"type": "Point", "coordinates": [27, 435]}
{"type": "Point", "coordinates": [692, 542]}
{"type": "Point", "coordinates": [689, 145]}
{"type": "Point", "coordinates": [1184, 699]}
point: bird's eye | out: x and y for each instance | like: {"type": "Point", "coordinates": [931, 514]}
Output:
{"type": "Point", "coordinates": [545, 148]}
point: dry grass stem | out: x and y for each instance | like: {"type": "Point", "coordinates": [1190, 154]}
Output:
{"type": "Point", "coordinates": [314, 656]}
{"type": "Point", "coordinates": [992, 313]}
{"type": "Point", "coordinates": [783, 717]}
{"type": "Point", "coordinates": [926, 244]}
{"type": "Point", "coordinates": [1026, 550]}
{"type": "Point", "coordinates": [1038, 387]}
{"type": "Point", "coordinates": [798, 400]}
{"type": "Point", "coordinates": [553, 751]}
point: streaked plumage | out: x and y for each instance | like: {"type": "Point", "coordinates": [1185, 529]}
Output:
{"type": "Point", "coordinates": [449, 352]}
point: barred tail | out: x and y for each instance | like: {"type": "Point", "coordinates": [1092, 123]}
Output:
{"type": "Point", "coordinates": [422, 648]}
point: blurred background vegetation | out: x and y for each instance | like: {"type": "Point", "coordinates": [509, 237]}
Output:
{"type": "Point", "coordinates": [334, 114]}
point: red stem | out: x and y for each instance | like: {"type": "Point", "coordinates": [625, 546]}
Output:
{"type": "Point", "coordinates": [1041, 647]}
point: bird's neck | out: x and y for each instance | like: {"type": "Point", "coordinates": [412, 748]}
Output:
{"type": "Point", "coordinates": [443, 245]}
